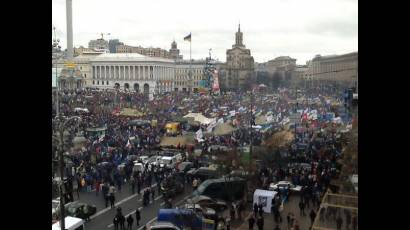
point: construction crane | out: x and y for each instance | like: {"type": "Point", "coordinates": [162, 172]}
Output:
{"type": "Point", "coordinates": [102, 35]}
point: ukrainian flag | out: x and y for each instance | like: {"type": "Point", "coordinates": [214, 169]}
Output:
{"type": "Point", "coordinates": [188, 38]}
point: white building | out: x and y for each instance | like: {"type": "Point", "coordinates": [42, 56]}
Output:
{"type": "Point", "coordinates": [132, 71]}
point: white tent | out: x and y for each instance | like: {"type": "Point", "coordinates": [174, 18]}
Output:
{"type": "Point", "coordinates": [200, 118]}
{"type": "Point", "coordinates": [264, 197]}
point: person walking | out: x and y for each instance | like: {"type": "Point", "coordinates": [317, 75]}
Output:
{"type": "Point", "coordinates": [354, 222]}
{"type": "Point", "coordinates": [312, 217]}
{"type": "Point", "coordinates": [112, 199]}
{"type": "Point", "coordinates": [152, 194]}
{"type": "Point", "coordinates": [251, 222]}
{"type": "Point", "coordinates": [122, 222]}
{"type": "Point", "coordinates": [348, 218]}
{"type": "Point", "coordinates": [255, 209]}
{"type": "Point", "coordinates": [260, 210]}
{"type": "Point", "coordinates": [302, 208]}
{"type": "Point", "coordinates": [260, 223]}
{"type": "Point", "coordinates": [288, 218]}
{"type": "Point", "coordinates": [139, 186]}
{"type": "Point", "coordinates": [132, 184]}
{"type": "Point", "coordinates": [97, 187]}
{"type": "Point", "coordinates": [130, 220]}
{"type": "Point", "coordinates": [116, 222]}
{"type": "Point", "coordinates": [339, 222]}
{"type": "Point", "coordinates": [137, 216]}
{"type": "Point", "coordinates": [240, 209]}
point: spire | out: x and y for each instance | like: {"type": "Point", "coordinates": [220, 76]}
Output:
{"type": "Point", "coordinates": [238, 36]}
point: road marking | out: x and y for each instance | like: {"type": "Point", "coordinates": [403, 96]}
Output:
{"type": "Point", "coordinates": [149, 222]}
{"type": "Point", "coordinates": [159, 197]}
{"type": "Point", "coordinates": [116, 204]}
{"type": "Point", "coordinates": [162, 204]}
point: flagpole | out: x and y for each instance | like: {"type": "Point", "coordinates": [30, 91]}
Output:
{"type": "Point", "coordinates": [190, 62]}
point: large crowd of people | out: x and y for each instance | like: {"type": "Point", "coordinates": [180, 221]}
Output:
{"type": "Point", "coordinates": [104, 164]}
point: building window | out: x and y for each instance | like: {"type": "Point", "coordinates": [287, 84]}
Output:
{"type": "Point", "coordinates": [85, 75]}
{"type": "Point", "coordinates": [107, 82]}
{"type": "Point", "coordinates": [98, 82]}
{"type": "Point", "coordinates": [93, 82]}
{"type": "Point", "coordinates": [102, 82]}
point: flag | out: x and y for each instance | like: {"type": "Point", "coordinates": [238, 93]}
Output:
{"type": "Point", "coordinates": [188, 38]}
{"type": "Point", "coordinates": [199, 135]}
{"type": "Point", "coordinates": [128, 144]}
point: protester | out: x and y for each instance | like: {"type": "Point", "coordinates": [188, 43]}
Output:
{"type": "Point", "coordinates": [137, 216]}
{"type": "Point", "coordinates": [251, 222]}
{"type": "Point", "coordinates": [130, 220]}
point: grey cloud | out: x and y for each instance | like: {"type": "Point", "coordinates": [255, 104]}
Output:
{"type": "Point", "coordinates": [338, 27]}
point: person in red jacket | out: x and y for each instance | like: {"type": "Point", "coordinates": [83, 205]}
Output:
{"type": "Point", "coordinates": [97, 187]}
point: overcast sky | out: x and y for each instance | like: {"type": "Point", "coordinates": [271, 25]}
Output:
{"type": "Point", "coordinates": [271, 28]}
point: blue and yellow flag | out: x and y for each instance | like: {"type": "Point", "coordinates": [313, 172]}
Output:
{"type": "Point", "coordinates": [188, 38]}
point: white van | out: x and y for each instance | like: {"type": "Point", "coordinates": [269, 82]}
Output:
{"type": "Point", "coordinates": [71, 223]}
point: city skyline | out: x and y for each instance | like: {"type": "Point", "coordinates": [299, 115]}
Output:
{"type": "Point", "coordinates": [299, 29]}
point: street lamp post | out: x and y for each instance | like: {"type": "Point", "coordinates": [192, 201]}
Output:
{"type": "Point", "coordinates": [56, 45]}
{"type": "Point", "coordinates": [61, 128]}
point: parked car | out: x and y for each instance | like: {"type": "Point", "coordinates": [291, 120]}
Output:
{"type": "Point", "coordinates": [163, 225]}
{"type": "Point", "coordinates": [80, 210]}
{"type": "Point", "coordinates": [208, 202]}
{"type": "Point", "coordinates": [283, 185]}
{"type": "Point", "coordinates": [203, 173]}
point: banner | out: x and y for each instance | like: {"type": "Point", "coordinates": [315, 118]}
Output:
{"type": "Point", "coordinates": [215, 86]}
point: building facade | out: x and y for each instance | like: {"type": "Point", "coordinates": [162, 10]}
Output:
{"type": "Point", "coordinates": [112, 45]}
{"type": "Point", "coordinates": [239, 67]}
{"type": "Point", "coordinates": [131, 71]}
{"type": "Point", "coordinates": [98, 44]}
{"type": "Point", "coordinates": [174, 52]}
{"type": "Point", "coordinates": [150, 52]}
{"type": "Point", "coordinates": [280, 64]}
{"type": "Point", "coordinates": [339, 68]}
{"type": "Point", "coordinates": [182, 81]}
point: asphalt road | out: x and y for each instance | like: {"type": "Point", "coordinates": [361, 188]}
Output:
{"type": "Point", "coordinates": [128, 202]}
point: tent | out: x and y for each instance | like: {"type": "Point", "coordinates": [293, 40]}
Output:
{"type": "Point", "coordinates": [223, 129]}
{"type": "Point", "coordinates": [264, 197]}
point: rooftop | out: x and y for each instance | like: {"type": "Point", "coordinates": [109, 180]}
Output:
{"type": "Point", "coordinates": [128, 57]}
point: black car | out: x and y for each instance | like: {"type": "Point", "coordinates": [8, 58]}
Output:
{"type": "Point", "coordinates": [80, 210]}
{"type": "Point", "coordinates": [208, 202]}
{"type": "Point", "coordinates": [203, 173]}
{"type": "Point", "coordinates": [185, 166]}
